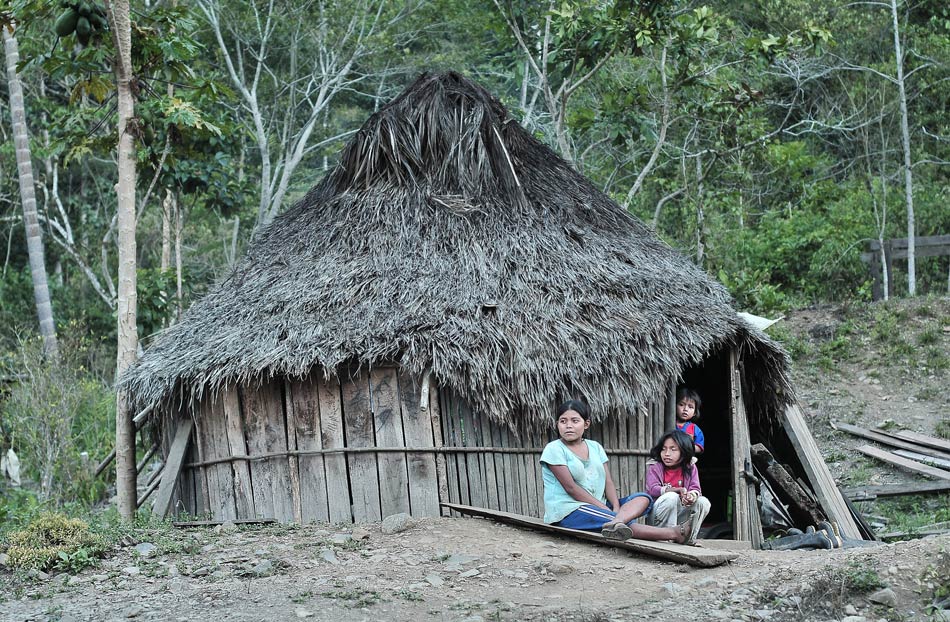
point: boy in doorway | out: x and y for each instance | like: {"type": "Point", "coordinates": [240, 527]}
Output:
{"type": "Point", "coordinates": [688, 404]}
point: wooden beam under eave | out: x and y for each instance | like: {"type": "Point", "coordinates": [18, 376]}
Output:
{"type": "Point", "coordinates": [747, 523]}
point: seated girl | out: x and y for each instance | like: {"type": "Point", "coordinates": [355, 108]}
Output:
{"type": "Point", "coordinates": [673, 483]}
{"type": "Point", "coordinates": [579, 492]}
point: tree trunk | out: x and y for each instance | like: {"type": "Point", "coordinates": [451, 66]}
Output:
{"type": "Point", "coordinates": [905, 143]}
{"type": "Point", "coordinates": [34, 239]}
{"type": "Point", "coordinates": [125, 195]}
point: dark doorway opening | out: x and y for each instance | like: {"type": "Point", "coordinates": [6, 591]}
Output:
{"type": "Point", "coordinates": [711, 379]}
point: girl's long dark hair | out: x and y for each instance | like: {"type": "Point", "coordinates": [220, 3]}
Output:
{"type": "Point", "coordinates": [684, 442]}
{"type": "Point", "coordinates": [577, 406]}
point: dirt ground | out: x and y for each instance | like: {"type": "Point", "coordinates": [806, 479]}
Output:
{"type": "Point", "coordinates": [472, 569]}
{"type": "Point", "coordinates": [452, 569]}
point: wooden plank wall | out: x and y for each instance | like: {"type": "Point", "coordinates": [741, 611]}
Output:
{"type": "Point", "coordinates": [278, 449]}
{"type": "Point", "coordinates": [510, 481]}
{"type": "Point", "coordinates": [371, 444]}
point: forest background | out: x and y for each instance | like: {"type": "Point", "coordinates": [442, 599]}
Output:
{"type": "Point", "coordinates": [769, 140]}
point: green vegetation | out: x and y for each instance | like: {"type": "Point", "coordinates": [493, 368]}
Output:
{"type": "Point", "coordinates": [859, 578]}
{"type": "Point", "coordinates": [913, 514]}
{"type": "Point", "coordinates": [942, 429]}
{"type": "Point", "coordinates": [54, 541]}
{"type": "Point", "coordinates": [356, 598]}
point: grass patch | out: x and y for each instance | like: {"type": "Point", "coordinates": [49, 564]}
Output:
{"type": "Point", "coordinates": [357, 598]}
{"type": "Point", "coordinates": [858, 577]}
{"type": "Point", "coordinates": [55, 541]}
{"type": "Point", "coordinates": [929, 336]}
{"type": "Point", "coordinates": [914, 513]}
{"type": "Point", "coordinates": [936, 579]}
{"type": "Point", "coordinates": [410, 595]}
{"type": "Point", "coordinates": [942, 429]}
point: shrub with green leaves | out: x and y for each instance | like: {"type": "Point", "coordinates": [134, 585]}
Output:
{"type": "Point", "coordinates": [59, 419]}
{"type": "Point", "coordinates": [54, 541]}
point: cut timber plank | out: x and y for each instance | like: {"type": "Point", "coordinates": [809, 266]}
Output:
{"type": "Point", "coordinates": [926, 441]}
{"type": "Point", "coordinates": [869, 493]}
{"type": "Point", "coordinates": [691, 555]}
{"type": "Point", "coordinates": [417, 425]}
{"type": "Point", "coordinates": [747, 523]}
{"type": "Point", "coordinates": [176, 457]}
{"type": "Point", "coordinates": [358, 423]}
{"type": "Point", "coordinates": [829, 497]}
{"type": "Point", "coordinates": [212, 523]}
{"type": "Point", "coordinates": [303, 419]}
{"type": "Point", "coordinates": [237, 445]}
{"type": "Point", "coordinates": [435, 416]}
{"type": "Point", "coordinates": [212, 437]}
{"type": "Point", "coordinates": [940, 463]}
{"type": "Point", "coordinates": [331, 435]}
{"type": "Point", "coordinates": [387, 421]}
{"type": "Point", "coordinates": [904, 463]}
{"type": "Point", "coordinates": [889, 439]}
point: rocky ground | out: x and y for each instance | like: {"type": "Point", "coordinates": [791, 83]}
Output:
{"type": "Point", "coordinates": [474, 570]}
{"type": "Point", "coordinates": [850, 365]}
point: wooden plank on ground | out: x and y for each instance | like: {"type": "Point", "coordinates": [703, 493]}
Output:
{"type": "Point", "coordinates": [829, 497]}
{"type": "Point", "coordinates": [692, 555]}
{"type": "Point", "coordinates": [237, 446]}
{"type": "Point", "coordinates": [869, 493]}
{"type": "Point", "coordinates": [303, 420]}
{"type": "Point", "coordinates": [417, 425]}
{"type": "Point", "coordinates": [358, 422]}
{"type": "Point", "coordinates": [173, 464]}
{"type": "Point", "coordinates": [889, 439]}
{"type": "Point", "coordinates": [339, 506]}
{"type": "Point", "coordinates": [926, 441]}
{"type": "Point", "coordinates": [940, 463]}
{"type": "Point", "coordinates": [904, 463]}
{"type": "Point", "coordinates": [387, 421]}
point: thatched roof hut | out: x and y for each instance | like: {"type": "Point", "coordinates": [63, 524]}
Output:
{"type": "Point", "coordinates": [448, 245]}
{"type": "Point", "coordinates": [448, 238]}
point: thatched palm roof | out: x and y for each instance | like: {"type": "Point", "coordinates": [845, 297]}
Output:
{"type": "Point", "coordinates": [448, 238]}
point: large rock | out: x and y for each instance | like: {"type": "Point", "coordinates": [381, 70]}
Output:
{"type": "Point", "coordinates": [394, 523]}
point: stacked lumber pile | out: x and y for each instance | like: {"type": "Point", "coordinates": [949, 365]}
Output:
{"type": "Point", "coordinates": [916, 453]}
{"type": "Point", "coordinates": [919, 454]}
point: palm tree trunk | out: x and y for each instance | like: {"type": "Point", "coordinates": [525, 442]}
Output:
{"type": "Point", "coordinates": [34, 238]}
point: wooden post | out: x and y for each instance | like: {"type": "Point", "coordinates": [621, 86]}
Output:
{"type": "Point", "coordinates": [747, 524]}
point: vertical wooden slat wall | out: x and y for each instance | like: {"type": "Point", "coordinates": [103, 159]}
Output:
{"type": "Point", "coordinates": [268, 451]}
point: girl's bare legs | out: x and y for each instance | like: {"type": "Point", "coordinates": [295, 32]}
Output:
{"type": "Point", "coordinates": [677, 534]}
{"type": "Point", "coordinates": [635, 508]}
{"type": "Point", "coordinates": [632, 509]}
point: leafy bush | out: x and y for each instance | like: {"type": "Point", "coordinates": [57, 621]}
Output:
{"type": "Point", "coordinates": [59, 419]}
{"type": "Point", "coordinates": [54, 540]}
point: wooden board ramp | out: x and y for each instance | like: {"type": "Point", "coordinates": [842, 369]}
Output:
{"type": "Point", "coordinates": [694, 556]}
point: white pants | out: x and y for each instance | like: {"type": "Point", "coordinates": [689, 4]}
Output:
{"type": "Point", "coordinates": [669, 511]}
